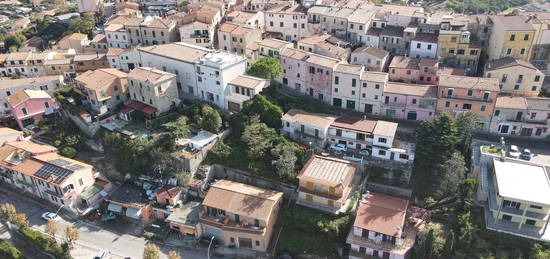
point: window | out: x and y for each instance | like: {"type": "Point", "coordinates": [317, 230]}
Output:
{"type": "Point", "coordinates": [418, 45]}
{"type": "Point", "coordinates": [506, 217]}
{"type": "Point", "coordinates": [382, 140]}
{"type": "Point", "coordinates": [483, 108]}
{"type": "Point", "coordinates": [535, 207]}
{"type": "Point", "coordinates": [516, 87]}
{"type": "Point", "coordinates": [470, 92]}
{"type": "Point", "coordinates": [237, 218]}
{"type": "Point", "coordinates": [80, 181]}
{"type": "Point", "coordinates": [522, 51]}
{"type": "Point", "coordinates": [382, 152]}
{"type": "Point", "coordinates": [257, 243]}
{"type": "Point", "coordinates": [460, 52]}
{"type": "Point", "coordinates": [257, 222]}
{"type": "Point", "coordinates": [336, 80]}
{"type": "Point", "coordinates": [530, 222]}
{"type": "Point", "coordinates": [509, 51]}
{"type": "Point", "coordinates": [533, 88]}
{"type": "Point", "coordinates": [413, 101]}
{"type": "Point", "coordinates": [537, 78]}
{"type": "Point", "coordinates": [447, 104]}
{"type": "Point", "coordinates": [526, 37]}
{"type": "Point", "coordinates": [24, 110]}
{"type": "Point", "coordinates": [497, 112]}
{"type": "Point", "coordinates": [377, 86]}
{"type": "Point", "coordinates": [353, 82]}
{"type": "Point", "coordinates": [467, 106]}
{"type": "Point", "coordinates": [512, 37]}
{"type": "Point", "coordinates": [449, 92]}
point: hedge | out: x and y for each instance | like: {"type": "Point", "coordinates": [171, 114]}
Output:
{"type": "Point", "coordinates": [45, 243]}
{"type": "Point", "coordinates": [8, 251]}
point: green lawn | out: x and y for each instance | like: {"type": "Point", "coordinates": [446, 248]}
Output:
{"type": "Point", "coordinates": [312, 232]}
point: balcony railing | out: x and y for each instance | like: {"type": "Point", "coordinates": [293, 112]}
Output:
{"type": "Point", "coordinates": [399, 105]}
{"type": "Point", "coordinates": [468, 98]}
{"type": "Point", "coordinates": [524, 120]}
{"type": "Point", "coordinates": [225, 223]}
{"type": "Point", "coordinates": [194, 36]}
{"type": "Point", "coordinates": [321, 194]}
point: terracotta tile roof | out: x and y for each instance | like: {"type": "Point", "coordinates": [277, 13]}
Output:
{"type": "Point", "coordinates": [239, 16]}
{"type": "Point", "coordinates": [507, 62]}
{"type": "Point", "coordinates": [381, 77]}
{"type": "Point", "coordinates": [392, 31]}
{"type": "Point", "coordinates": [428, 62]}
{"type": "Point", "coordinates": [327, 171]}
{"type": "Point", "coordinates": [32, 147]}
{"type": "Point", "coordinates": [537, 103]}
{"type": "Point", "coordinates": [318, 120]}
{"type": "Point", "coordinates": [487, 84]}
{"type": "Point", "coordinates": [514, 22]}
{"type": "Point", "coordinates": [321, 60]}
{"type": "Point", "coordinates": [8, 131]}
{"type": "Point", "coordinates": [511, 102]}
{"type": "Point", "coordinates": [404, 62]}
{"type": "Point", "coordinates": [426, 37]}
{"type": "Point", "coordinates": [114, 27]}
{"type": "Point", "coordinates": [382, 213]}
{"type": "Point", "coordinates": [167, 193]}
{"type": "Point", "coordinates": [75, 36]}
{"type": "Point", "coordinates": [401, 9]}
{"type": "Point", "coordinates": [374, 31]}
{"type": "Point", "coordinates": [273, 43]}
{"type": "Point", "coordinates": [10, 83]}
{"type": "Point", "coordinates": [178, 51]}
{"type": "Point", "coordinates": [15, 56]}
{"type": "Point", "coordinates": [242, 199]}
{"type": "Point", "coordinates": [228, 27]}
{"type": "Point", "coordinates": [314, 39]}
{"type": "Point", "coordinates": [149, 74]}
{"type": "Point", "coordinates": [349, 69]}
{"type": "Point", "coordinates": [23, 95]}
{"type": "Point", "coordinates": [88, 57]}
{"type": "Point", "coordinates": [26, 167]}
{"type": "Point", "coordinates": [374, 51]}
{"type": "Point", "coordinates": [294, 53]}
{"type": "Point", "coordinates": [99, 38]}
{"type": "Point", "coordinates": [115, 51]}
{"type": "Point", "coordinates": [68, 164]}
{"type": "Point", "coordinates": [100, 78]}
{"type": "Point", "coordinates": [411, 89]}
{"type": "Point", "coordinates": [356, 123]}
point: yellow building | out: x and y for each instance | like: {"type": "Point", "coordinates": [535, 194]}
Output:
{"type": "Point", "coordinates": [516, 76]}
{"type": "Point", "coordinates": [457, 47]}
{"type": "Point", "coordinates": [512, 36]}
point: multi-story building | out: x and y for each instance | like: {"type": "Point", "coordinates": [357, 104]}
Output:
{"type": "Point", "coordinates": [102, 89]}
{"type": "Point", "coordinates": [517, 77]}
{"type": "Point", "coordinates": [29, 64]}
{"type": "Point", "coordinates": [198, 33]}
{"type": "Point", "coordinates": [329, 19]}
{"type": "Point", "coordinates": [267, 48]}
{"type": "Point", "coordinates": [424, 45]}
{"type": "Point", "coordinates": [373, 58]}
{"type": "Point", "coordinates": [460, 94]}
{"type": "Point", "coordinates": [153, 87]}
{"type": "Point", "coordinates": [227, 216]}
{"type": "Point", "coordinates": [38, 169]}
{"type": "Point", "coordinates": [377, 137]}
{"type": "Point", "coordinates": [381, 229]}
{"type": "Point", "coordinates": [253, 20]}
{"type": "Point", "coordinates": [325, 183]}
{"type": "Point", "coordinates": [76, 41]}
{"type": "Point", "coordinates": [516, 197]}
{"type": "Point", "coordinates": [319, 44]}
{"type": "Point", "coordinates": [243, 88]}
{"type": "Point", "coordinates": [404, 69]}
{"type": "Point", "coordinates": [346, 86]}
{"type": "Point", "coordinates": [214, 72]}
{"type": "Point", "coordinates": [235, 38]}
{"type": "Point", "coordinates": [511, 36]}
{"type": "Point", "coordinates": [307, 127]}
{"type": "Point", "coordinates": [524, 116]}
{"type": "Point", "coordinates": [11, 86]}
{"type": "Point", "coordinates": [179, 59]}
{"type": "Point", "coordinates": [372, 89]}
{"type": "Point", "coordinates": [308, 73]}
{"type": "Point", "coordinates": [393, 40]}
{"type": "Point", "coordinates": [409, 101]}
{"type": "Point", "coordinates": [62, 66]}
{"type": "Point", "coordinates": [28, 106]}
{"type": "Point", "coordinates": [457, 47]}
{"type": "Point", "coordinates": [98, 44]}
{"type": "Point", "coordinates": [288, 21]}
{"type": "Point", "coordinates": [124, 59]}
{"type": "Point", "coordinates": [359, 24]}
{"type": "Point", "coordinates": [85, 62]}
{"type": "Point", "coordinates": [152, 31]}
{"type": "Point", "coordinates": [117, 36]}
{"type": "Point", "coordinates": [402, 15]}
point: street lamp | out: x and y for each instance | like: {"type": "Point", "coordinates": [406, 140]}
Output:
{"type": "Point", "coordinates": [62, 205]}
{"type": "Point", "coordinates": [209, 245]}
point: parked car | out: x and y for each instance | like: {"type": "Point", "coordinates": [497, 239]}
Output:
{"type": "Point", "coordinates": [514, 151]}
{"type": "Point", "coordinates": [338, 147]}
{"type": "Point", "coordinates": [526, 155]}
{"type": "Point", "coordinates": [50, 216]}
{"type": "Point", "coordinates": [364, 152]}
{"type": "Point", "coordinates": [100, 255]}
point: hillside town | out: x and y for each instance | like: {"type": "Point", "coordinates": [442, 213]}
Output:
{"type": "Point", "coordinates": [274, 129]}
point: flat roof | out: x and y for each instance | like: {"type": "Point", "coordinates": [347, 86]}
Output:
{"type": "Point", "coordinates": [522, 181]}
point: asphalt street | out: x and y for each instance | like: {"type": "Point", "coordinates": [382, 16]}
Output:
{"type": "Point", "coordinates": [92, 238]}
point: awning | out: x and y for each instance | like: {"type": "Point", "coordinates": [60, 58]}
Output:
{"type": "Point", "coordinates": [147, 109]}
{"type": "Point", "coordinates": [133, 213]}
{"type": "Point", "coordinates": [114, 208]}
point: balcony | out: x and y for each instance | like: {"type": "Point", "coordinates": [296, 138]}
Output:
{"type": "Point", "coordinates": [409, 237]}
{"type": "Point", "coordinates": [533, 121]}
{"type": "Point", "coordinates": [320, 194]}
{"type": "Point", "coordinates": [396, 105]}
{"type": "Point", "coordinates": [195, 36]}
{"type": "Point", "coordinates": [225, 223]}
{"type": "Point", "coordinates": [468, 98]}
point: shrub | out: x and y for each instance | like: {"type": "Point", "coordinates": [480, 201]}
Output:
{"type": "Point", "coordinates": [8, 251]}
{"type": "Point", "coordinates": [45, 243]}
{"type": "Point", "coordinates": [68, 152]}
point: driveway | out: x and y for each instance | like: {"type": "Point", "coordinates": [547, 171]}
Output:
{"type": "Point", "coordinates": [93, 238]}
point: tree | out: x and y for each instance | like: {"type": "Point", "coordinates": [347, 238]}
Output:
{"type": "Point", "coordinates": [71, 235]}
{"type": "Point", "coordinates": [84, 24]}
{"type": "Point", "coordinates": [258, 137]}
{"type": "Point", "coordinates": [452, 172]}
{"type": "Point", "coordinates": [151, 251]}
{"type": "Point", "coordinates": [428, 245]}
{"type": "Point", "coordinates": [52, 228]}
{"type": "Point", "coordinates": [436, 140]}
{"type": "Point", "coordinates": [20, 220]}
{"type": "Point", "coordinates": [269, 113]}
{"type": "Point", "coordinates": [69, 152]}
{"type": "Point", "coordinates": [183, 178]}
{"type": "Point", "coordinates": [177, 128]}
{"type": "Point", "coordinates": [14, 42]}
{"type": "Point", "coordinates": [467, 124]}
{"type": "Point", "coordinates": [286, 160]}
{"type": "Point", "coordinates": [466, 229]}
{"type": "Point", "coordinates": [173, 255]}
{"type": "Point", "coordinates": [211, 119]}
{"type": "Point", "coordinates": [467, 188]}
{"type": "Point", "coordinates": [266, 67]}
{"type": "Point", "coordinates": [7, 211]}
{"type": "Point", "coordinates": [448, 246]}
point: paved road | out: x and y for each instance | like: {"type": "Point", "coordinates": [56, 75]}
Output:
{"type": "Point", "coordinates": [92, 238]}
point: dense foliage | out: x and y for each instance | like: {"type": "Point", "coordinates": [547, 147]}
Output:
{"type": "Point", "coordinates": [8, 251]}
{"type": "Point", "coordinates": [483, 6]}
{"type": "Point", "coordinates": [269, 113]}
{"type": "Point", "coordinates": [46, 243]}
{"type": "Point", "coordinates": [266, 67]}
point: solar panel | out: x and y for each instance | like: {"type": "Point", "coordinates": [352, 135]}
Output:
{"type": "Point", "coordinates": [74, 167]}
{"type": "Point", "coordinates": [47, 171]}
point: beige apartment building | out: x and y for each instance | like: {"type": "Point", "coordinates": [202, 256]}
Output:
{"type": "Point", "coordinates": [152, 31]}
{"type": "Point", "coordinates": [235, 38]}
{"type": "Point", "coordinates": [325, 183]}
{"type": "Point", "coordinates": [153, 87]}
{"type": "Point", "coordinates": [516, 76]}
{"type": "Point", "coordinates": [102, 89]}
{"type": "Point", "coordinates": [511, 36]}
{"type": "Point", "coordinates": [227, 215]}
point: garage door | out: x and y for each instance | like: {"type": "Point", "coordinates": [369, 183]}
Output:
{"type": "Point", "coordinates": [234, 107]}
{"type": "Point", "coordinates": [245, 242]}
{"type": "Point", "coordinates": [213, 232]}
{"type": "Point", "coordinates": [114, 208]}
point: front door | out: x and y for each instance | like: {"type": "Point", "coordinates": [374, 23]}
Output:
{"type": "Point", "coordinates": [310, 91]}
{"type": "Point", "coordinates": [519, 116]}
{"type": "Point", "coordinates": [411, 116]}
{"type": "Point", "coordinates": [337, 102]}
{"type": "Point", "coordinates": [350, 104]}
{"type": "Point", "coordinates": [368, 108]}
{"type": "Point", "coordinates": [392, 156]}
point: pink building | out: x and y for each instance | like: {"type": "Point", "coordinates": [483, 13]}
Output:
{"type": "Point", "coordinates": [409, 101]}
{"type": "Point", "coordinates": [29, 106]}
{"type": "Point", "coordinates": [413, 70]}
{"type": "Point", "coordinates": [308, 73]}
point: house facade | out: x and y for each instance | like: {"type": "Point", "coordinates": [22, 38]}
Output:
{"type": "Point", "coordinates": [102, 89]}
{"type": "Point", "coordinates": [409, 101]}
{"type": "Point", "coordinates": [306, 127]}
{"type": "Point", "coordinates": [511, 36]}
{"type": "Point", "coordinates": [235, 38]}
{"type": "Point", "coordinates": [289, 21]}
{"type": "Point", "coordinates": [517, 77]}
{"type": "Point", "coordinates": [29, 106]}
{"type": "Point", "coordinates": [153, 87]}
{"type": "Point", "coordinates": [243, 88]}
{"type": "Point", "coordinates": [523, 116]}
{"type": "Point", "coordinates": [373, 58]}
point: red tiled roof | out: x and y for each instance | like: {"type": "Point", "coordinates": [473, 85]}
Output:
{"type": "Point", "coordinates": [147, 109]}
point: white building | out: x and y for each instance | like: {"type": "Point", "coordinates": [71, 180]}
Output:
{"type": "Point", "coordinates": [242, 89]}
{"type": "Point", "coordinates": [11, 86]}
{"type": "Point", "coordinates": [214, 72]}
{"type": "Point", "coordinates": [117, 36]}
{"type": "Point", "coordinates": [198, 33]}
{"type": "Point", "coordinates": [307, 127]}
{"type": "Point", "coordinates": [177, 58]}
{"type": "Point", "coordinates": [423, 45]}
{"type": "Point", "coordinates": [288, 20]}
